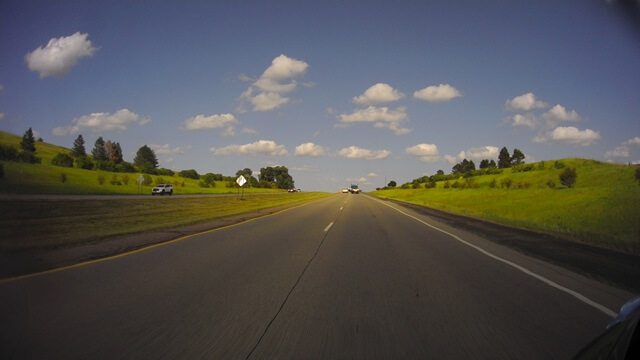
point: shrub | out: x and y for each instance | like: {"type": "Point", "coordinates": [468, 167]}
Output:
{"type": "Point", "coordinates": [522, 168]}
{"type": "Point", "coordinates": [28, 157]}
{"type": "Point", "coordinates": [558, 165]}
{"type": "Point", "coordinates": [182, 184]}
{"type": "Point", "coordinates": [114, 180]}
{"type": "Point", "coordinates": [493, 183]}
{"type": "Point", "coordinates": [101, 179]}
{"type": "Point", "coordinates": [165, 172]}
{"type": "Point", "coordinates": [523, 185]}
{"type": "Point", "coordinates": [541, 165]}
{"type": "Point", "coordinates": [638, 175]}
{"type": "Point", "coordinates": [415, 185]}
{"type": "Point", "coordinates": [126, 167]}
{"type": "Point", "coordinates": [189, 174]}
{"type": "Point", "coordinates": [447, 184]}
{"type": "Point", "coordinates": [202, 184]}
{"type": "Point", "coordinates": [8, 152]}
{"type": "Point", "coordinates": [551, 184]}
{"type": "Point", "coordinates": [84, 162]}
{"type": "Point", "coordinates": [506, 183]}
{"type": "Point", "coordinates": [430, 185]}
{"type": "Point", "coordinates": [405, 186]}
{"type": "Point", "coordinates": [125, 179]}
{"type": "Point", "coordinates": [455, 185]}
{"type": "Point", "coordinates": [147, 180]}
{"type": "Point", "coordinates": [106, 166]}
{"type": "Point", "coordinates": [568, 177]}
{"type": "Point", "coordinates": [160, 180]}
{"type": "Point", "coordinates": [63, 160]}
{"type": "Point", "coordinates": [63, 178]}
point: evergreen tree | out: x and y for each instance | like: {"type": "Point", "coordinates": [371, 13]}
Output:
{"type": "Point", "coordinates": [78, 147]}
{"type": "Point", "coordinates": [99, 151]}
{"type": "Point", "coordinates": [145, 158]}
{"type": "Point", "coordinates": [28, 142]}
{"type": "Point", "coordinates": [114, 152]}
{"type": "Point", "coordinates": [504, 159]}
{"type": "Point", "coordinates": [517, 158]}
{"type": "Point", "coordinates": [484, 163]}
{"type": "Point", "coordinates": [492, 164]}
{"type": "Point", "coordinates": [118, 157]}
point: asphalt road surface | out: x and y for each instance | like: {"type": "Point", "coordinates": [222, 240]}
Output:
{"type": "Point", "coordinates": [345, 277]}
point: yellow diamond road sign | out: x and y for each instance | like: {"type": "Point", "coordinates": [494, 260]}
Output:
{"type": "Point", "coordinates": [241, 180]}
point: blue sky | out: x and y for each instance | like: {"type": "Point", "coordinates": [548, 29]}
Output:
{"type": "Point", "coordinates": [339, 92]}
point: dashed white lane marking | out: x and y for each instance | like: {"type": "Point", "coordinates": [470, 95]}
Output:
{"type": "Point", "coordinates": [575, 294]}
{"type": "Point", "coordinates": [328, 227]}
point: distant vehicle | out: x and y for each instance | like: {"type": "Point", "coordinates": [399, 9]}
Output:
{"type": "Point", "coordinates": [162, 189]}
{"type": "Point", "coordinates": [294, 190]}
{"type": "Point", "coordinates": [354, 189]}
{"type": "Point", "coordinates": [345, 190]}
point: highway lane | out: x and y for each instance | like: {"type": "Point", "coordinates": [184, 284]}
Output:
{"type": "Point", "coordinates": [345, 277]}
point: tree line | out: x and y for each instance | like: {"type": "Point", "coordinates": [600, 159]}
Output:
{"type": "Point", "coordinates": [107, 156]}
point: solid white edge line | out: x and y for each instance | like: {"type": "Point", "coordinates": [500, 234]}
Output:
{"type": "Point", "coordinates": [524, 270]}
{"type": "Point", "coordinates": [328, 227]}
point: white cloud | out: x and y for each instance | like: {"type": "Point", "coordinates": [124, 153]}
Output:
{"type": "Point", "coordinates": [249, 131]}
{"type": "Point", "coordinates": [60, 55]}
{"type": "Point", "coordinates": [425, 152]}
{"type": "Point", "coordinates": [121, 120]}
{"type": "Point", "coordinates": [525, 102]}
{"type": "Point", "coordinates": [381, 117]}
{"type": "Point", "coordinates": [354, 152]}
{"type": "Point", "coordinates": [166, 149]}
{"type": "Point", "coordinates": [455, 159]}
{"type": "Point", "coordinates": [372, 174]}
{"type": "Point", "coordinates": [440, 93]}
{"type": "Point", "coordinates": [484, 152]}
{"type": "Point", "coordinates": [618, 152]}
{"type": "Point", "coordinates": [200, 122]}
{"type": "Point", "coordinates": [634, 141]}
{"type": "Point", "coordinates": [559, 113]}
{"type": "Point", "coordinates": [309, 149]}
{"type": "Point", "coordinates": [267, 92]}
{"type": "Point", "coordinates": [569, 135]}
{"type": "Point", "coordinates": [261, 147]}
{"type": "Point", "coordinates": [528, 120]}
{"type": "Point", "coordinates": [378, 93]}
{"type": "Point", "coordinates": [2, 116]}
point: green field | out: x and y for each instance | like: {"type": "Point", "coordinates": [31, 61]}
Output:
{"type": "Point", "coordinates": [37, 225]}
{"type": "Point", "coordinates": [44, 178]}
{"type": "Point", "coordinates": [603, 208]}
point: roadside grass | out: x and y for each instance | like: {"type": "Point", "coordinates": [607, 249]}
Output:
{"type": "Point", "coordinates": [41, 225]}
{"type": "Point", "coordinates": [603, 208]}
{"type": "Point", "coordinates": [45, 178]}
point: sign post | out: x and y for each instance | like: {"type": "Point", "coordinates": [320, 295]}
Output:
{"type": "Point", "coordinates": [241, 181]}
{"type": "Point", "coordinates": [140, 181]}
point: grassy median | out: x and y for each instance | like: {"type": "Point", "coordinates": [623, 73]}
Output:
{"type": "Point", "coordinates": [36, 225]}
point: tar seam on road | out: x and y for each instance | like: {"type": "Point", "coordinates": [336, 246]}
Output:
{"type": "Point", "coordinates": [113, 257]}
{"type": "Point", "coordinates": [575, 294]}
{"type": "Point", "coordinates": [326, 233]}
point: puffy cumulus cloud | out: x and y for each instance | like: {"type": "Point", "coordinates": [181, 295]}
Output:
{"type": "Point", "coordinates": [455, 159]}
{"type": "Point", "coordinates": [200, 122]}
{"type": "Point", "coordinates": [378, 93]}
{"type": "Point", "coordinates": [60, 55]}
{"type": "Point", "coordinates": [634, 141]}
{"type": "Point", "coordinates": [261, 147]}
{"type": "Point", "coordinates": [528, 120]}
{"type": "Point", "coordinates": [618, 152]}
{"type": "Point", "coordinates": [569, 135]}
{"type": "Point", "coordinates": [121, 120]}
{"type": "Point", "coordinates": [166, 149]}
{"type": "Point", "coordinates": [354, 152]}
{"type": "Point", "coordinates": [440, 93]}
{"type": "Point", "coordinates": [425, 152]}
{"type": "Point", "coordinates": [483, 152]}
{"type": "Point", "coordinates": [559, 113]}
{"type": "Point", "coordinates": [2, 116]}
{"type": "Point", "coordinates": [309, 149]}
{"type": "Point", "coordinates": [380, 117]}
{"type": "Point", "coordinates": [526, 102]}
{"type": "Point", "coordinates": [267, 93]}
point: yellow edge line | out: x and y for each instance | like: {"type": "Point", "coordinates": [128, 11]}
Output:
{"type": "Point", "coordinates": [127, 253]}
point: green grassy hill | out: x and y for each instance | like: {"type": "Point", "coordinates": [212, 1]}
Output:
{"type": "Point", "coordinates": [44, 178]}
{"type": "Point", "coordinates": [602, 208]}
